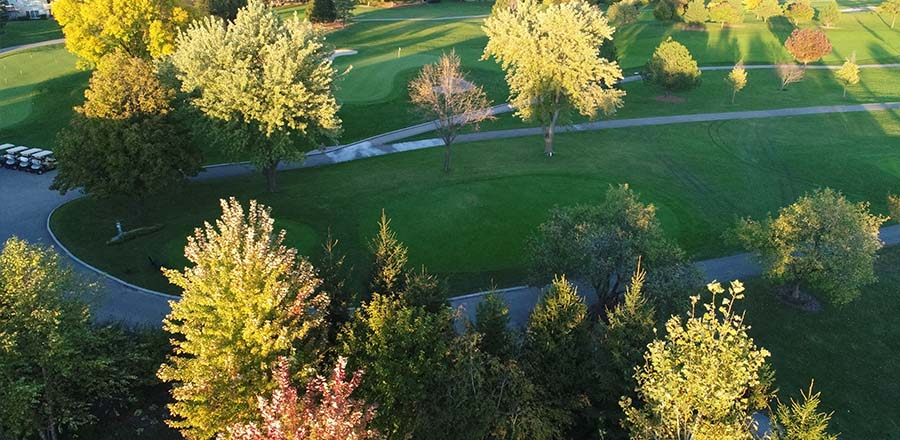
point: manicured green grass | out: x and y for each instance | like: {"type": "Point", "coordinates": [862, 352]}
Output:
{"type": "Point", "coordinates": [852, 352]}
{"type": "Point", "coordinates": [471, 224]}
{"type": "Point", "coordinates": [30, 31]}
{"type": "Point", "coordinates": [38, 89]}
{"type": "Point", "coordinates": [427, 10]}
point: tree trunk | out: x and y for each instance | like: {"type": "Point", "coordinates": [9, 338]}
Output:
{"type": "Point", "coordinates": [893, 20]}
{"type": "Point", "coordinates": [733, 94]}
{"type": "Point", "coordinates": [447, 155]}
{"type": "Point", "coordinates": [845, 91]}
{"type": "Point", "coordinates": [270, 171]}
{"type": "Point", "coordinates": [796, 293]}
{"type": "Point", "coordinates": [548, 140]}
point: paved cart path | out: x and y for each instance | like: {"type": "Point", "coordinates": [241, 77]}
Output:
{"type": "Point", "coordinates": [7, 50]}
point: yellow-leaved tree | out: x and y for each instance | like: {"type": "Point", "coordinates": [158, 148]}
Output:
{"type": "Point", "coordinates": [551, 56]}
{"type": "Point", "coordinates": [140, 28]}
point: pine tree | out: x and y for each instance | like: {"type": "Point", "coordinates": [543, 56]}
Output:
{"type": "Point", "coordinates": [802, 420]}
{"type": "Point", "coordinates": [492, 323]}
{"type": "Point", "coordinates": [343, 10]}
{"type": "Point", "coordinates": [334, 273]}
{"type": "Point", "coordinates": [322, 11]}
{"type": "Point", "coordinates": [426, 290]}
{"type": "Point", "coordinates": [389, 260]}
{"type": "Point", "coordinates": [629, 331]}
{"type": "Point", "coordinates": [247, 301]}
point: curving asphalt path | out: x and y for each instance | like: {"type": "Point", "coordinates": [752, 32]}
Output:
{"type": "Point", "coordinates": [8, 50]}
{"type": "Point", "coordinates": [26, 203]}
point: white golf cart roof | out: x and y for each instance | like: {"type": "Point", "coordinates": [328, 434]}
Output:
{"type": "Point", "coordinates": [29, 152]}
{"type": "Point", "coordinates": [6, 147]}
{"type": "Point", "coordinates": [16, 150]}
{"type": "Point", "coordinates": [42, 154]}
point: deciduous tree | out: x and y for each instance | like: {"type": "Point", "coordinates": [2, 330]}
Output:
{"type": "Point", "coordinates": [55, 368]}
{"type": "Point", "coordinates": [798, 11]}
{"type": "Point", "coordinates": [126, 140]}
{"type": "Point", "coordinates": [789, 74]}
{"type": "Point", "coordinates": [830, 14]}
{"type": "Point", "coordinates": [848, 74]}
{"type": "Point", "coordinates": [143, 29]}
{"type": "Point", "coordinates": [737, 79]}
{"type": "Point", "coordinates": [891, 8]}
{"type": "Point", "coordinates": [552, 63]}
{"type": "Point", "coordinates": [701, 378]}
{"type": "Point", "coordinates": [696, 12]}
{"type": "Point", "coordinates": [808, 45]}
{"type": "Point", "coordinates": [602, 243]}
{"type": "Point", "coordinates": [442, 91]}
{"type": "Point", "coordinates": [672, 68]}
{"type": "Point", "coordinates": [623, 12]}
{"type": "Point", "coordinates": [822, 241]}
{"type": "Point", "coordinates": [247, 301]}
{"type": "Point", "coordinates": [726, 12]}
{"type": "Point", "coordinates": [326, 411]}
{"type": "Point", "coordinates": [767, 9]}
{"type": "Point", "coordinates": [268, 83]}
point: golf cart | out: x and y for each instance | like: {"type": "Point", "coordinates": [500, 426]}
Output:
{"type": "Point", "coordinates": [25, 158]}
{"type": "Point", "coordinates": [11, 159]}
{"type": "Point", "coordinates": [42, 161]}
{"type": "Point", "coordinates": [5, 147]}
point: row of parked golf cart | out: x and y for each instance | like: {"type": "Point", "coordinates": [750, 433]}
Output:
{"type": "Point", "coordinates": [33, 160]}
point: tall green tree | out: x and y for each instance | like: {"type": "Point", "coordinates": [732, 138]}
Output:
{"type": "Point", "coordinates": [822, 241]}
{"type": "Point", "coordinates": [55, 368]}
{"type": "Point", "coordinates": [335, 273]}
{"type": "Point", "coordinates": [492, 323]}
{"type": "Point", "coordinates": [247, 301]}
{"type": "Point", "coordinates": [343, 10]}
{"type": "Point", "coordinates": [388, 259]}
{"type": "Point", "coordinates": [552, 63]}
{"type": "Point", "coordinates": [602, 245]}
{"type": "Point", "coordinates": [672, 68]}
{"type": "Point", "coordinates": [267, 81]}
{"type": "Point", "coordinates": [321, 11]}
{"type": "Point", "coordinates": [403, 349]}
{"type": "Point", "coordinates": [126, 140]}
{"type": "Point", "coordinates": [630, 330]}
{"type": "Point", "coordinates": [143, 29]}
{"type": "Point", "coordinates": [225, 9]}
{"type": "Point", "coordinates": [703, 378]}
{"type": "Point", "coordinates": [890, 8]}
{"type": "Point", "coordinates": [4, 15]}
{"type": "Point", "coordinates": [559, 355]}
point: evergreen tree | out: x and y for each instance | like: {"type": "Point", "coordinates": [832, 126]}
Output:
{"type": "Point", "coordinates": [630, 329]}
{"type": "Point", "coordinates": [403, 350]}
{"type": "Point", "coordinates": [802, 420]}
{"type": "Point", "coordinates": [672, 68]}
{"type": "Point", "coordinates": [492, 323]}
{"type": "Point", "coordinates": [247, 301]}
{"type": "Point", "coordinates": [4, 15]}
{"type": "Point", "coordinates": [225, 9]}
{"type": "Point", "coordinates": [426, 290]}
{"type": "Point", "coordinates": [558, 355]}
{"type": "Point", "coordinates": [322, 11]}
{"type": "Point", "coordinates": [334, 272]}
{"type": "Point", "coordinates": [343, 10]}
{"type": "Point", "coordinates": [389, 260]}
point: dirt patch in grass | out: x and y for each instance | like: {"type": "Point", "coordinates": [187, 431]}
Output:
{"type": "Point", "coordinates": [801, 300]}
{"type": "Point", "coordinates": [671, 99]}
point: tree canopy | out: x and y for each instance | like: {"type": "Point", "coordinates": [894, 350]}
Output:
{"type": "Point", "coordinates": [848, 74]}
{"type": "Point", "coordinates": [737, 79]}
{"type": "Point", "coordinates": [672, 67]}
{"type": "Point", "coordinates": [808, 45]}
{"type": "Point", "coordinates": [891, 8]}
{"type": "Point", "coordinates": [126, 140]}
{"type": "Point", "coordinates": [822, 241]}
{"type": "Point", "coordinates": [267, 81]}
{"type": "Point", "coordinates": [247, 301]}
{"type": "Point", "coordinates": [552, 62]}
{"type": "Point", "coordinates": [143, 29]}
